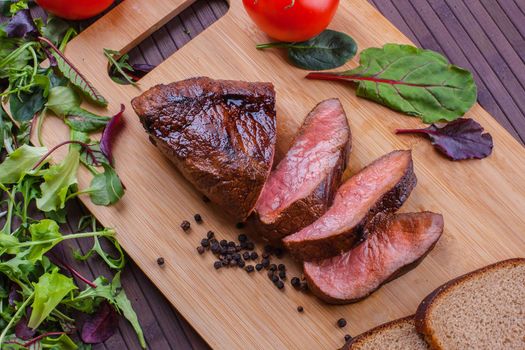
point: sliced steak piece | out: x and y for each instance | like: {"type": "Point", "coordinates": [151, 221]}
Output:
{"type": "Point", "coordinates": [383, 186]}
{"type": "Point", "coordinates": [303, 185]}
{"type": "Point", "coordinates": [395, 244]}
{"type": "Point", "coordinates": [220, 134]}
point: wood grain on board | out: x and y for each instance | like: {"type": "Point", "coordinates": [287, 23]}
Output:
{"type": "Point", "coordinates": [480, 200]}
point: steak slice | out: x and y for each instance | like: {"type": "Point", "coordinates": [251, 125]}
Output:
{"type": "Point", "coordinates": [220, 134]}
{"type": "Point", "coordinates": [382, 186]}
{"type": "Point", "coordinates": [303, 185]}
{"type": "Point", "coordinates": [396, 244]}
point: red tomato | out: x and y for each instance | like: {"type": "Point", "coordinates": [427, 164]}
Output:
{"type": "Point", "coordinates": [291, 20]}
{"type": "Point", "coordinates": [75, 9]}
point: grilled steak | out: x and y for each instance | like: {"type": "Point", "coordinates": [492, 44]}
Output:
{"type": "Point", "coordinates": [220, 134]}
{"type": "Point", "coordinates": [383, 186]}
{"type": "Point", "coordinates": [395, 245]}
{"type": "Point", "coordinates": [303, 185]}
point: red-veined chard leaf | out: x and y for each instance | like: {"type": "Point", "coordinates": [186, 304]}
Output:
{"type": "Point", "coordinates": [458, 140]}
{"type": "Point", "coordinates": [110, 132]}
{"type": "Point", "coordinates": [411, 80]}
{"type": "Point", "coordinates": [100, 326]}
{"type": "Point", "coordinates": [74, 75]}
{"type": "Point", "coordinates": [330, 49]}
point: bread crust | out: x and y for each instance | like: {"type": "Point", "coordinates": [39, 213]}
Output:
{"type": "Point", "coordinates": [353, 343]}
{"type": "Point", "coordinates": [423, 326]}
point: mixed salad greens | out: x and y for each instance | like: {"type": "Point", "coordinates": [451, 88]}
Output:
{"type": "Point", "coordinates": [41, 297]}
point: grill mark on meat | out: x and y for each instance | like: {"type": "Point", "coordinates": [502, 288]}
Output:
{"type": "Point", "coordinates": [395, 245]}
{"type": "Point", "coordinates": [220, 135]}
{"type": "Point", "coordinates": [382, 186]}
{"type": "Point", "coordinates": [302, 186]}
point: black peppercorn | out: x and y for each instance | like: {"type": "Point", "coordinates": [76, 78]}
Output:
{"type": "Point", "coordinates": [341, 322]}
{"type": "Point", "coordinates": [205, 199]}
{"type": "Point", "coordinates": [304, 286]}
{"type": "Point", "coordinates": [198, 218]}
{"type": "Point", "coordinates": [160, 261]}
{"type": "Point", "coordinates": [210, 234]}
{"type": "Point", "coordinates": [231, 244]}
{"type": "Point", "coordinates": [239, 225]}
{"type": "Point", "coordinates": [265, 255]}
{"type": "Point", "coordinates": [215, 248]}
{"type": "Point", "coordinates": [296, 282]}
{"type": "Point", "coordinates": [249, 268]}
{"type": "Point", "coordinates": [250, 245]}
{"type": "Point", "coordinates": [268, 249]}
{"type": "Point", "coordinates": [258, 267]}
{"type": "Point", "coordinates": [200, 249]}
{"type": "Point", "coordinates": [281, 267]}
{"type": "Point", "coordinates": [233, 262]}
{"type": "Point", "coordinates": [282, 274]}
{"type": "Point", "coordinates": [242, 237]}
{"type": "Point", "coordinates": [270, 275]}
{"type": "Point", "coordinates": [300, 309]}
{"type": "Point", "coordinates": [185, 225]}
{"type": "Point", "coordinates": [241, 263]}
{"type": "Point", "coordinates": [254, 256]}
{"type": "Point", "coordinates": [217, 264]}
{"type": "Point", "coordinates": [231, 250]}
{"type": "Point", "coordinates": [275, 279]}
{"type": "Point", "coordinates": [265, 262]}
{"type": "Point", "coordinates": [279, 284]}
{"type": "Point", "coordinates": [205, 243]}
{"type": "Point", "coordinates": [273, 267]}
{"type": "Point", "coordinates": [223, 243]}
{"type": "Point", "coordinates": [348, 337]}
{"type": "Point", "coordinates": [236, 256]}
{"type": "Point", "coordinates": [246, 256]}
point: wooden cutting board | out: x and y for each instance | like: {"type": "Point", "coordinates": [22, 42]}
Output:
{"type": "Point", "coordinates": [483, 202]}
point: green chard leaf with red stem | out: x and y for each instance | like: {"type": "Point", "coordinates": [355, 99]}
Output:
{"type": "Point", "coordinates": [414, 81]}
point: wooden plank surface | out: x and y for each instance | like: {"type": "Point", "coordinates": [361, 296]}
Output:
{"type": "Point", "coordinates": [431, 24]}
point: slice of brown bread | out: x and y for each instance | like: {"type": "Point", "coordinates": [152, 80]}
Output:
{"type": "Point", "coordinates": [484, 309]}
{"type": "Point", "coordinates": [395, 335]}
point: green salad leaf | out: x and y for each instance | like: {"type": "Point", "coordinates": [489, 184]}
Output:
{"type": "Point", "coordinates": [106, 188]}
{"type": "Point", "coordinates": [414, 81]}
{"type": "Point", "coordinates": [50, 289]}
{"type": "Point", "coordinates": [19, 163]}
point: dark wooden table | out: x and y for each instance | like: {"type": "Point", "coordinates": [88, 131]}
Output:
{"type": "Point", "coordinates": [485, 36]}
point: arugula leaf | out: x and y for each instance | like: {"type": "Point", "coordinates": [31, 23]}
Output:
{"type": "Point", "coordinates": [120, 64]}
{"type": "Point", "coordinates": [19, 163]}
{"type": "Point", "coordinates": [65, 102]}
{"type": "Point", "coordinates": [57, 181]}
{"type": "Point", "coordinates": [411, 80]}
{"type": "Point", "coordinates": [114, 263]}
{"type": "Point", "coordinates": [74, 75]}
{"type": "Point", "coordinates": [25, 105]}
{"type": "Point", "coordinates": [51, 288]}
{"type": "Point", "coordinates": [330, 49]}
{"type": "Point", "coordinates": [106, 188]}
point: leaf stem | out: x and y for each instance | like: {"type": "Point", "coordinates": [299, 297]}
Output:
{"type": "Point", "coordinates": [106, 232]}
{"type": "Point", "coordinates": [416, 131]}
{"type": "Point", "coordinates": [84, 145]}
{"type": "Point", "coordinates": [270, 45]}
{"type": "Point", "coordinates": [355, 77]}
{"type": "Point", "coordinates": [15, 317]}
{"type": "Point", "coordinates": [41, 336]}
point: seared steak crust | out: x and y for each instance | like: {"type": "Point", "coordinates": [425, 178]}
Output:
{"type": "Point", "coordinates": [220, 134]}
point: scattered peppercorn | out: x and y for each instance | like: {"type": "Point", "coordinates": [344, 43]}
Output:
{"type": "Point", "coordinates": [160, 261]}
{"type": "Point", "coordinates": [341, 322]}
{"type": "Point", "coordinates": [254, 256]}
{"type": "Point", "coordinates": [282, 274]}
{"type": "Point", "coordinates": [270, 274]}
{"type": "Point", "coordinates": [239, 225]}
{"type": "Point", "coordinates": [258, 267]}
{"type": "Point", "coordinates": [275, 279]}
{"type": "Point", "coordinates": [198, 218]}
{"type": "Point", "coordinates": [185, 225]}
{"type": "Point", "coordinates": [242, 237]}
{"type": "Point", "coordinates": [205, 243]}
{"type": "Point", "coordinates": [210, 234]}
{"type": "Point", "coordinates": [223, 243]}
{"type": "Point", "coordinates": [217, 264]}
{"type": "Point", "coordinates": [265, 262]}
{"type": "Point", "coordinates": [300, 309]}
{"type": "Point", "coordinates": [348, 337]}
{"type": "Point", "coordinates": [231, 244]}
{"type": "Point", "coordinates": [231, 250]}
{"type": "Point", "coordinates": [296, 282]}
{"type": "Point", "coordinates": [273, 267]}
{"type": "Point", "coordinates": [265, 255]}
{"type": "Point", "coordinates": [279, 284]}
{"type": "Point", "coordinates": [304, 286]}
{"type": "Point", "coordinates": [205, 199]}
{"type": "Point", "coordinates": [200, 249]}
{"type": "Point", "coordinates": [249, 268]}
{"type": "Point", "coordinates": [241, 263]}
{"type": "Point", "coordinates": [215, 248]}
{"type": "Point", "coordinates": [246, 255]}
{"type": "Point", "coordinates": [281, 267]}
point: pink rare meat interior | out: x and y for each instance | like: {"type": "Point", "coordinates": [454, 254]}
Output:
{"type": "Point", "coordinates": [395, 242]}
{"type": "Point", "coordinates": [312, 157]}
{"type": "Point", "coordinates": [356, 196]}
